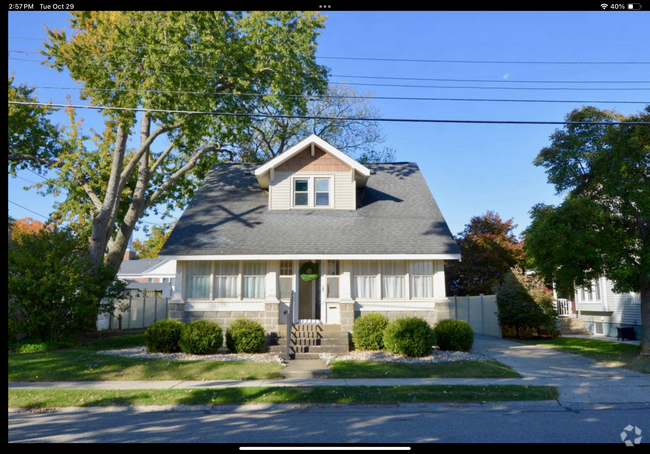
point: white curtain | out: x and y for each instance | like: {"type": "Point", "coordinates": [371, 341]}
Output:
{"type": "Point", "coordinates": [366, 286]}
{"type": "Point", "coordinates": [225, 287]}
{"type": "Point", "coordinates": [392, 286]}
{"type": "Point", "coordinates": [198, 287]}
{"type": "Point", "coordinates": [226, 268]}
{"type": "Point", "coordinates": [254, 286]}
{"type": "Point", "coordinates": [421, 286]}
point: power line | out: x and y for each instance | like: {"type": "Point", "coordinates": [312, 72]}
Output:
{"type": "Point", "coordinates": [330, 118]}
{"type": "Point", "coordinates": [276, 95]}
{"type": "Point", "coordinates": [408, 60]}
{"type": "Point", "coordinates": [499, 62]}
{"type": "Point", "coordinates": [360, 76]}
{"type": "Point", "coordinates": [403, 85]}
{"type": "Point", "coordinates": [31, 211]}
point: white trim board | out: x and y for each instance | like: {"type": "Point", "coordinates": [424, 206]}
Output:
{"type": "Point", "coordinates": [311, 140]}
{"type": "Point", "coordinates": [318, 257]}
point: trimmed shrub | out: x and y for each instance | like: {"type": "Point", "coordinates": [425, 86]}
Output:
{"type": "Point", "coordinates": [368, 332]}
{"type": "Point", "coordinates": [409, 336]}
{"type": "Point", "coordinates": [245, 336]}
{"type": "Point", "coordinates": [201, 337]}
{"type": "Point", "coordinates": [164, 336]}
{"type": "Point", "coordinates": [456, 335]}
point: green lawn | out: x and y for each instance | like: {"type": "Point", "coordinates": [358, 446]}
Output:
{"type": "Point", "coordinates": [51, 398]}
{"type": "Point", "coordinates": [456, 369]}
{"type": "Point", "coordinates": [83, 363]}
{"type": "Point", "coordinates": [611, 353]}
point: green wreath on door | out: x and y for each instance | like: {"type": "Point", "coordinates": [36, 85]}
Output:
{"type": "Point", "coordinates": [309, 271]}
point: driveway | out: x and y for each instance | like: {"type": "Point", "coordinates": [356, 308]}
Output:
{"type": "Point", "coordinates": [578, 378]}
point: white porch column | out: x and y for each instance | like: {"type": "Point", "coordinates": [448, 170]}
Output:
{"type": "Point", "coordinates": [272, 270]}
{"type": "Point", "coordinates": [439, 291]}
{"type": "Point", "coordinates": [176, 308]}
{"type": "Point", "coordinates": [345, 282]}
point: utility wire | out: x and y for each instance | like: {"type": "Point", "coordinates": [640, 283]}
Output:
{"type": "Point", "coordinates": [31, 211]}
{"type": "Point", "coordinates": [360, 76]}
{"type": "Point", "coordinates": [398, 85]}
{"type": "Point", "coordinates": [331, 118]}
{"type": "Point", "coordinates": [276, 95]}
{"type": "Point", "coordinates": [409, 60]}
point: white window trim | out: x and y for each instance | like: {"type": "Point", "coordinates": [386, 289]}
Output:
{"type": "Point", "coordinates": [311, 192]}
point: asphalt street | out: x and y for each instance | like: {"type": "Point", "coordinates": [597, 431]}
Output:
{"type": "Point", "coordinates": [412, 423]}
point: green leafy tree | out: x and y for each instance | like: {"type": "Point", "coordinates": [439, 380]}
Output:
{"type": "Point", "coordinates": [489, 249]}
{"type": "Point", "coordinates": [153, 161]}
{"type": "Point", "coordinates": [525, 305]}
{"type": "Point", "coordinates": [54, 289]}
{"type": "Point", "coordinates": [603, 225]}
{"type": "Point", "coordinates": [150, 247]}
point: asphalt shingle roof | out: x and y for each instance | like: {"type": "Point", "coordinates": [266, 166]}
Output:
{"type": "Point", "coordinates": [229, 215]}
{"type": "Point", "coordinates": [137, 266]}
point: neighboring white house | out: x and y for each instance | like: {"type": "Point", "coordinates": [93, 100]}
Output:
{"type": "Point", "coordinates": [158, 274]}
{"type": "Point", "coordinates": [602, 310]}
{"type": "Point", "coordinates": [373, 233]}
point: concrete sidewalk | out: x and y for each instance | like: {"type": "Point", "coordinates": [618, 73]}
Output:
{"type": "Point", "coordinates": [571, 389]}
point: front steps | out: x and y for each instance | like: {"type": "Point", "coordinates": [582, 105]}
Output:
{"type": "Point", "coordinates": [308, 341]}
{"type": "Point", "coordinates": [571, 325]}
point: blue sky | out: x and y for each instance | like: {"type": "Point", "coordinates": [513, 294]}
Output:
{"type": "Point", "coordinates": [469, 168]}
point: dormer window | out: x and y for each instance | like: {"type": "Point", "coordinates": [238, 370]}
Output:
{"type": "Point", "coordinates": [312, 191]}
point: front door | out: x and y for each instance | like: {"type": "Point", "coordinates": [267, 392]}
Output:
{"type": "Point", "coordinates": [308, 300]}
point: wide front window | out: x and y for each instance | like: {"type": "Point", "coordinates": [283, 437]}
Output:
{"type": "Point", "coordinates": [400, 280]}
{"type": "Point", "coordinates": [225, 280]}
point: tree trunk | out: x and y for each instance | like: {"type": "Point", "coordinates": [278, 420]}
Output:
{"type": "Point", "coordinates": [645, 315]}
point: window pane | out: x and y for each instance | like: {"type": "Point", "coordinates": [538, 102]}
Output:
{"type": "Point", "coordinates": [227, 268]}
{"type": "Point", "coordinates": [254, 268]}
{"type": "Point", "coordinates": [366, 286]}
{"type": "Point", "coordinates": [254, 286]}
{"type": "Point", "coordinates": [421, 286]}
{"type": "Point", "coordinates": [286, 268]}
{"type": "Point", "coordinates": [365, 267]}
{"type": "Point", "coordinates": [199, 268]}
{"type": "Point", "coordinates": [392, 286]}
{"type": "Point", "coordinates": [332, 287]}
{"type": "Point", "coordinates": [302, 199]}
{"type": "Point", "coordinates": [322, 198]}
{"type": "Point", "coordinates": [302, 185]}
{"type": "Point", "coordinates": [393, 267]}
{"type": "Point", "coordinates": [225, 287]}
{"type": "Point", "coordinates": [424, 267]}
{"type": "Point", "coordinates": [198, 287]}
{"type": "Point", "coordinates": [322, 184]}
{"type": "Point", "coordinates": [333, 268]}
{"type": "Point", "coordinates": [286, 284]}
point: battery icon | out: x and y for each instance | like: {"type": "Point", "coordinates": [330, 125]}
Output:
{"type": "Point", "coordinates": [634, 6]}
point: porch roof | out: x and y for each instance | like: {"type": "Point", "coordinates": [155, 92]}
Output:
{"type": "Point", "coordinates": [229, 216]}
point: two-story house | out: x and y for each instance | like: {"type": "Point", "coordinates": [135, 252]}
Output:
{"type": "Point", "coordinates": [373, 233]}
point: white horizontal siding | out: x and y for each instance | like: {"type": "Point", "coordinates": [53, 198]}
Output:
{"type": "Point", "coordinates": [623, 305]}
{"type": "Point", "coordinates": [214, 306]}
{"type": "Point", "coordinates": [343, 191]}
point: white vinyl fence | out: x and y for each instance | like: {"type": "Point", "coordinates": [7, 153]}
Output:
{"type": "Point", "coordinates": [140, 309]}
{"type": "Point", "coordinates": [479, 311]}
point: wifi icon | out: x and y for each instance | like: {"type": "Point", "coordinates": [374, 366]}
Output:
{"type": "Point", "coordinates": [603, 6]}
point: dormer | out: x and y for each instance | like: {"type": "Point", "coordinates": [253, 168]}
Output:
{"type": "Point", "coordinates": [312, 175]}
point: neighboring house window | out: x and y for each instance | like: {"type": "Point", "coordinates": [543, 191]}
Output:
{"type": "Point", "coordinates": [322, 191]}
{"type": "Point", "coordinates": [590, 293]}
{"type": "Point", "coordinates": [421, 279]}
{"type": "Point", "coordinates": [333, 272]}
{"type": "Point", "coordinates": [393, 279]}
{"type": "Point", "coordinates": [301, 192]}
{"type": "Point", "coordinates": [198, 280]}
{"type": "Point", "coordinates": [365, 279]}
{"type": "Point", "coordinates": [254, 279]}
{"type": "Point", "coordinates": [225, 279]}
{"type": "Point", "coordinates": [597, 289]}
{"type": "Point", "coordinates": [582, 294]}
